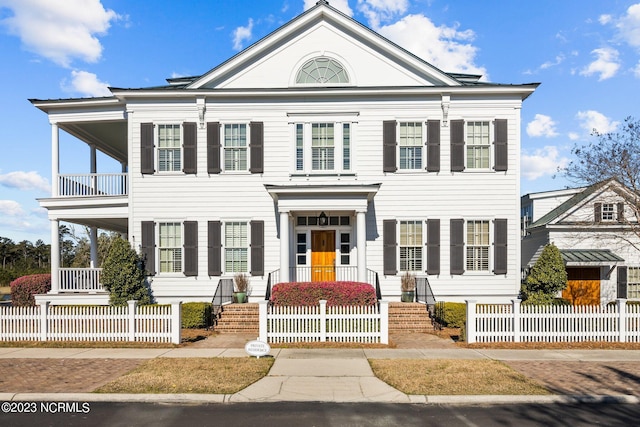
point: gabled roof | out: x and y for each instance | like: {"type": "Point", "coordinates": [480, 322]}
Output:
{"type": "Point", "coordinates": [322, 12]}
{"type": "Point", "coordinates": [574, 202]}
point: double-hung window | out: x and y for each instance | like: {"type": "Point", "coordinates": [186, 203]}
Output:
{"type": "Point", "coordinates": [170, 247]}
{"type": "Point", "coordinates": [478, 147]}
{"type": "Point", "coordinates": [236, 246]}
{"type": "Point", "coordinates": [478, 245]}
{"type": "Point", "coordinates": [323, 147]}
{"type": "Point", "coordinates": [410, 143]}
{"type": "Point", "coordinates": [411, 244]}
{"type": "Point", "coordinates": [633, 282]}
{"type": "Point", "coordinates": [169, 156]}
{"type": "Point", "coordinates": [235, 147]}
{"type": "Point", "coordinates": [608, 212]}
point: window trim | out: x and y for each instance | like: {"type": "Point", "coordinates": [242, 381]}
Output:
{"type": "Point", "coordinates": [223, 148]}
{"type": "Point", "coordinates": [490, 145]}
{"type": "Point", "coordinates": [306, 150]}
{"type": "Point", "coordinates": [490, 246]}
{"type": "Point", "coordinates": [158, 224]}
{"type": "Point", "coordinates": [223, 236]}
{"type": "Point", "coordinates": [421, 146]}
{"type": "Point", "coordinates": [156, 140]}
{"type": "Point", "coordinates": [422, 244]}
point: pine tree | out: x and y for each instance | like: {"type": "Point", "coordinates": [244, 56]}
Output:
{"type": "Point", "coordinates": [547, 277]}
{"type": "Point", "coordinates": [123, 276]}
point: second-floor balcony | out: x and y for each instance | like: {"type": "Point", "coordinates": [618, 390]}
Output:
{"type": "Point", "coordinates": [92, 185]}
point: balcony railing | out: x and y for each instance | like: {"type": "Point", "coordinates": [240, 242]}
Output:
{"type": "Point", "coordinates": [80, 280]}
{"type": "Point", "coordinates": [93, 184]}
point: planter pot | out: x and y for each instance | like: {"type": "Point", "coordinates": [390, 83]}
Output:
{"type": "Point", "coordinates": [407, 296]}
{"type": "Point", "coordinates": [240, 297]}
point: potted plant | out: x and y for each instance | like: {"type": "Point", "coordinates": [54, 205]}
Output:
{"type": "Point", "coordinates": [240, 288]}
{"type": "Point", "coordinates": [408, 287]}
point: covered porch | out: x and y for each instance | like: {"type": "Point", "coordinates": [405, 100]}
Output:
{"type": "Point", "coordinates": [323, 231]}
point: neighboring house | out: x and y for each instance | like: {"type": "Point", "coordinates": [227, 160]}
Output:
{"type": "Point", "coordinates": [321, 152]}
{"type": "Point", "coordinates": [596, 229]}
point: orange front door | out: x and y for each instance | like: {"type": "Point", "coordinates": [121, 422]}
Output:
{"type": "Point", "coordinates": [323, 255]}
{"type": "Point", "coordinates": [583, 286]}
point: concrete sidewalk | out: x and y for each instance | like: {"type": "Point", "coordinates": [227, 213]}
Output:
{"type": "Point", "coordinates": [342, 375]}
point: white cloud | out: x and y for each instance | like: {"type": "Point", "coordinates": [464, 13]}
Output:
{"type": "Point", "coordinates": [628, 26]}
{"type": "Point", "coordinates": [605, 19]}
{"type": "Point", "coordinates": [558, 60]}
{"type": "Point", "coordinates": [636, 70]}
{"type": "Point", "coordinates": [447, 48]}
{"type": "Point", "coordinates": [87, 84]}
{"type": "Point", "coordinates": [11, 208]}
{"type": "Point", "coordinates": [341, 5]}
{"type": "Point", "coordinates": [545, 161]}
{"type": "Point", "coordinates": [60, 30]}
{"type": "Point", "coordinates": [606, 65]}
{"type": "Point", "coordinates": [25, 181]}
{"type": "Point", "coordinates": [378, 11]}
{"type": "Point", "coordinates": [242, 34]}
{"type": "Point", "coordinates": [574, 136]}
{"type": "Point", "coordinates": [593, 120]}
{"type": "Point", "coordinates": [542, 125]}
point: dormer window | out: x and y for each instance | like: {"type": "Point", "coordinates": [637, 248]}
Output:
{"type": "Point", "coordinates": [322, 71]}
{"type": "Point", "coordinates": [608, 212]}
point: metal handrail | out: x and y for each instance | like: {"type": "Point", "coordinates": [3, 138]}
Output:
{"type": "Point", "coordinates": [424, 293]}
{"type": "Point", "coordinates": [222, 295]}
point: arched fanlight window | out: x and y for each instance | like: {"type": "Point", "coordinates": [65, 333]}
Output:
{"type": "Point", "coordinates": [322, 70]}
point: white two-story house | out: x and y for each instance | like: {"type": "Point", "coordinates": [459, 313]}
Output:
{"type": "Point", "coordinates": [321, 152]}
{"type": "Point", "coordinates": [596, 229]}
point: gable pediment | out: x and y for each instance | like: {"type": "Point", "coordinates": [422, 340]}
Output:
{"type": "Point", "coordinates": [368, 59]}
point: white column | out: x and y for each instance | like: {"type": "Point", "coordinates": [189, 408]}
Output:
{"type": "Point", "coordinates": [93, 240]}
{"type": "Point", "coordinates": [55, 256]}
{"type": "Point", "coordinates": [361, 242]}
{"type": "Point", "coordinates": [284, 246]}
{"type": "Point", "coordinates": [93, 168]}
{"type": "Point", "coordinates": [55, 160]}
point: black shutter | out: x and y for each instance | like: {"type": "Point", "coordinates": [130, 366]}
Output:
{"type": "Point", "coordinates": [190, 248]}
{"type": "Point", "coordinates": [457, 246]}
{"type": "Point", "coordinates": [256, 147]}
{"type": "Point", "coordinates": [213, 147]}
{"type": "Point", "coordinates": [457, 145]}
{"type": "Point", "coordinates": [148, 246]}
{"type": "Point", "coordinates": [620, 212]}
{"type": "Point", "coordinates": [597, 212]}
{"type": "Point", "coordinates": [389, 146]}
{"type": "Point", "coordinates": [146, 148]}
{"type": "Point", "coordinates": [500, 246]}
{"type": "Point", "coordinates": [214, 245]}
{"type": "Point", "coordinates": [389, 243]}
{"type": "Point", "coordinates": [501, 150]}
{"type": "Point", "coordinates": [433, 145]}
{"type": "Point", "coordinates": [189, 143]}
{"type": "Point", "coordinates": [433, 246]}
{"type": "Point", "coordinates": [622, 282]}
{"type": "Point", "coordinates": [257, 248]}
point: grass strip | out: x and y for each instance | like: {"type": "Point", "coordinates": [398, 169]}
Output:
{"type": "Point", "coordinates": [221, 375]}
{"type": "Point", "coordinates": [454, 377]}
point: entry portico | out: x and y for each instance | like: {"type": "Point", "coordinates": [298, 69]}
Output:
{"type": "Point", "coordinates": [306, 202]}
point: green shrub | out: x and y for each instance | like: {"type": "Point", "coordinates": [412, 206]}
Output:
{"type": "Point", "coordinates": [335, 293]}
{"type": "Point", "coordinates": [547, 276]}
{"type": "Point", "coordinates": [122, 275]}
{"type": "Point", "coordinates": [196, 315]}
{"type": "Point", "coordinates": [451, 314]}
{"type": "Point", "coordinates": [24, 288]}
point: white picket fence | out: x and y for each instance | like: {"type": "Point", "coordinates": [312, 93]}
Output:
{"type": "Point", "coordinates": [363, 324]}
{"type": "Point", "coordinates": [147, 323]}
{"type": "Point", "coordinates": [560, 323]}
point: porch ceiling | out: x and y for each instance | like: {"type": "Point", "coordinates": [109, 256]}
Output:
{"type": "Point", "coordinates": [108, 137]}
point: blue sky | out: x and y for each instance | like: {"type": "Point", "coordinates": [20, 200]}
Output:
{"type": "Point", "coordinates": [586, 54]}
